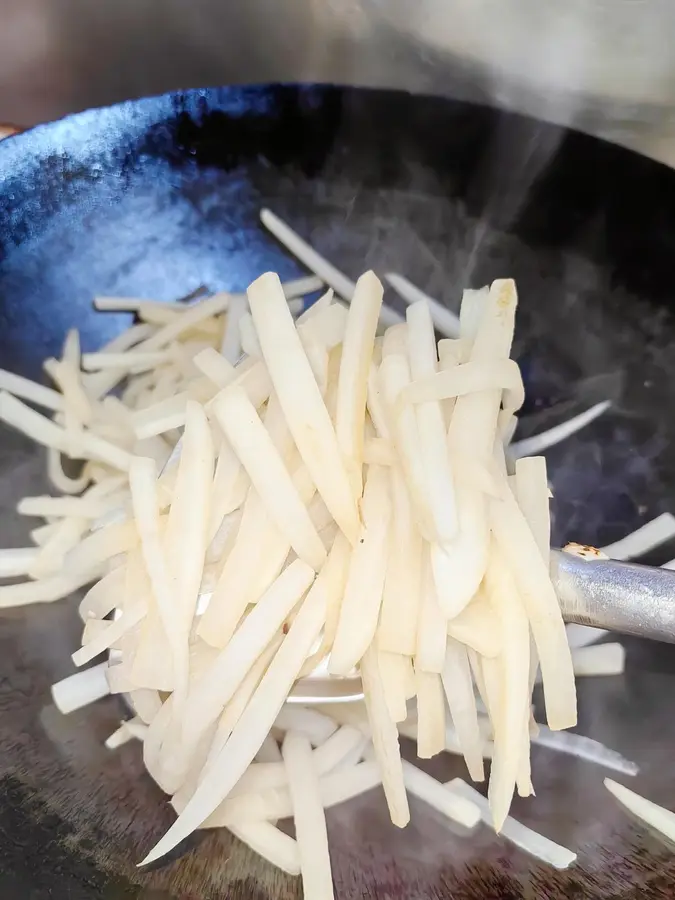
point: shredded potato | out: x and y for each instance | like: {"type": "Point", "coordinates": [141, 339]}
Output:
{"type": "Point", "coordinates": [270, 478]}
{"type": "Point", "coordinates": [309, 817]}
{"type": "Point", "coordinates": [355, 362]}
{"type": "Point", "coordinates": [301, 401]}
{"type": "Point", "coordinates": [334, 501]}
{"type": "Point", "coordinates": [650, 813]}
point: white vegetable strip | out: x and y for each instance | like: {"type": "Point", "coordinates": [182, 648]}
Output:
{"type": "Point", "coordinates": [93, 628]}
{"type": "Point", "coordinates": [484, 479]}
{"type": "Point", "coordinates": [469, 378]}
{"type": "Point", "coordinates": [530, 484]}
{"type": "Point", "coordinates": [98, 384]}
{"type": "Point", "coordinates": [432, 627]}
{"type": "Point", "coordinates": [257, 558]}
{"type": "Point", "coordinates": [307, 255]}
{"type": "Point", "coordinates": [253, 725]}
{"type": "Point", "coordinates": [651, 814]}
{"type": "Point", "coordinates": [134, 304]}
{"type": "Point", "coordinates": [300, 287]}
{"type": "Point", "coordinates": [275, 803]}
{"type": "Point", "coordinates": [113, 632]}
{"type": "Point", "coordinates": [430, 714]}
{"type": "Point", "coordinates": [507, 429]}
{"type": "Point", "coordinates": [230, 485]}
{"type": "Point", "coordinates": [583, 635]}
{"type": "Point", "coordinates": [510, 717]}
{"type": "Point", "coordinates": [376, 406]}
{"type": "Point", "coordinates": [247, 334]}
{"type": "Point", "coordinates": [308, 816]}
{"type": "Point", "coordinates": [186, 537]}
{"type": "Point", "coordinates": [355, 362]}
{"type": "Point", "coordinates": [80, 689]}
{"type": "Point", "coordinates": [93, 447]}
{"type": "Point", "coordinates": [459, 568]}
{"type": "Point", "coordinates": [316, 263]}
{"type": "Point", "coordinates": [34, 425]}
{"type": "Point", "coordinates": [242, 697]}
{"type": "Point", "coordinates": [458, 686]}
{"type": "Point", "coordinates": [42, 533]}
{"type": "Point", "coordinates": [270, 843]}
{"type": "Point", "coordinates": [46, 590]}
{"type": "Point", "coordinates": [378, 452]}
{"type": "Point", "coordinates": [394, 374]}
{"type": "Point", "coordinates": [119, 682]}
{"type": "Point", "coordinates": [31, 391]}
{"type": "Point", "coordinates": [215, 367]}
{"type": "Point", "coordinates": [385, 740]}
{"type": "Point", "coordinates": [102, 545]}
{"type": "Point", "coordinates": [541, 605]}
{"type": "Point", "coordinates": [295, 288]}
{"type": "Point", "coordinates": [82, 507]}
{"type": "Point", "coordinates": [444, 319]}
{"type": "Point", "coordinates": [134, 360]}
{"type": "Point", "coordinates": [147, 704]}
{"type": "Point", "coordinates": [324, 301]}
{"type": "Point", "coordinates": [179, 769]}
{"type": "Point", "coordinates": [301, 400]}
{"type": "Point", "coordinates": [103, 596]}
{"type": "Point", "coordinates": [58, 477]}
{"type": "Point", "coordinates": [365, 580]}
{"type": "Point", "coordinates": [327, 757]}
{"type": "Point", "coordinates": [234, 589]}
{"type": "Point", "coordinates": [314, 725]}
{"type": "Point", "coordinates": [535, 445]}
{"type": "Point", "coordinates": [67, 377]}
{"type": "Point", "coordinates": [397, 629]}
{"type": "Point", "coordinates": [586, 748]}
{"type": "Point", "coordinates": [219, 682]}
{"type": "Point", "coordinates": [192, 316]}
{"type": "Point", "coordinates": [395, 341]}
{"type": "Point", "coordinates": [530, 841]}
{"type": "Point", "coordinates": [603, 659]}
{"type": "Point", "coordinates": [17, 561]}
{"type": "Point", "coordinates": [65, 538]}
{"type": "Point", "coordinates": [254, 447]}
{"type": "Point", "coordinates": [118, 738]}
{"type": "Point", "coordinates": [230, 347]}
{"type": "Point", "coordinates": [393, 669]}
{"type": "Point", "coordinates": [451, 352]}
{"type": "Point", "coordinates": [222, 541]}
{"type": "Point", "coordinates": [650, 535]}
{"type": "Point", "coordinates": [43, 431]}
{"type": "Point", "coordinates": [440, 796]}
{"type": "Point", "coordinates": [334, 577]}
{"type": "Point", "coordinates": [145, 504]}
{"type": "Point", "coordinates": [153, 661]}
{"type": "Point", "coordinates": [476, 627]}
{"type": "Point", "coordinates": [431, 426]}
{"type": "Point", "coordinates": [97, 629]}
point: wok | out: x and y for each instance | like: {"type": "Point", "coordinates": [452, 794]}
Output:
{"type": "Point", "coordinates": [154, 197]}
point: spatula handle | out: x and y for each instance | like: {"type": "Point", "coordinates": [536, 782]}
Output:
{"type": "Point", "coordinates": [618, 596]}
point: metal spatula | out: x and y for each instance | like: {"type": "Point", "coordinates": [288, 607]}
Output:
{"type": "Point", "coordinates": [620, 597]}
{"type": "Point", "coordinates": [617, 596]}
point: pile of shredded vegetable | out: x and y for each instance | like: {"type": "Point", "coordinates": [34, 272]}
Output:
{"type": "Point", "coordinates": [343, 495]}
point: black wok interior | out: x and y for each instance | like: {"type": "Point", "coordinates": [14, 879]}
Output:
{"type": "Point", "coordinates": [155, 197]}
